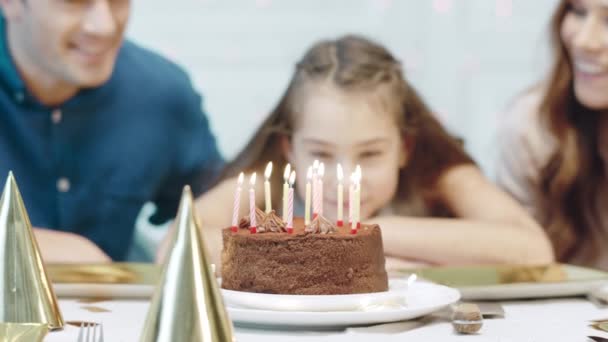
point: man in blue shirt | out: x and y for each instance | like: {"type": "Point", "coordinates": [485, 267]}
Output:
{"type": "Point", "coordinates": [94, 126]}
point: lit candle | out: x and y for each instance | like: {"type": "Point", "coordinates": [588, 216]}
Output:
{"type": "Point", "coordinates": [307, 200]}
{"type": "Point", "coordinates": [267, 174]}
{"type": "Point", "coordinates": [315, 189]}
{"type": "Point", "coordinates": [351, 193]}
{"type": "Point", "coordinates": [237, 203]}
{"type": "Point", "coordinates": [252, 221]}
{"type": "Point", "coordinates": [340, 175]}
{"type": "Point", "coordinates": [358, 196]}
{"type": "Point", "coordinates": [320, 173]}
{"type": "Point", "coordinates": [285, 190]}
{"type": "Point", "coordinates": [351, 204]}
{"type": "Point", "coordinates": [292, 180]}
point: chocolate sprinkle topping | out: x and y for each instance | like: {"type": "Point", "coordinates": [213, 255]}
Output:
{"type": "Point", "coordinates": [272, 223]}
{"type": "Point", "coordinates": [321, 225]}
{"type": "Point", "coordinates": [260, 217]}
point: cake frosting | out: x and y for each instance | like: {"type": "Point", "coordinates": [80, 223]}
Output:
{"type": "Point", "coordinates": [321, 225]}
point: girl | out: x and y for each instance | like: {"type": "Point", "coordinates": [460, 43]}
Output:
{"type": "Point", "coordinates": [556, 138]}
{"type": "Point", "coordinates": [348, 103]}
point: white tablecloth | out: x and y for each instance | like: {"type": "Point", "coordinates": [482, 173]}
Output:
{"type": "Point", "coordinates": [525, 321]}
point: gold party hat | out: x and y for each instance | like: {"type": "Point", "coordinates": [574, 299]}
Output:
{"type": "Point", "coordinates": [26, 295]}
{"type": "Point", "coordinates": [18, 332]}
{"type": "Point", "coordinates": [187, 304]}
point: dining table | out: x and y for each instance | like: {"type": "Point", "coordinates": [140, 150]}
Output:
{"type": "Point", "coordinates": [554, 319]}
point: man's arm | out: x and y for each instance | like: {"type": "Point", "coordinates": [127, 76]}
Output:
{"type": "Point", "coordinates": [62, 247]}
{"type": "Point", "coordinates": [199, 164]}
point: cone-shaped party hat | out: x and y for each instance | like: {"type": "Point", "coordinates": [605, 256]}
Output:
{"type": "Point", "coordinates": [26, 295]}
{"type": "Point", "coordinates": [187, 305]}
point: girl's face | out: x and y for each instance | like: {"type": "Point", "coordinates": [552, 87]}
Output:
{"type": "Point", "coordinates": [584, 32]}
{"type": "Point", "coordinates": [352, 129]}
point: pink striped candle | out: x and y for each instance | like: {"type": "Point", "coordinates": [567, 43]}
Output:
{"type": "Point", "coordinates": [307, 200]}
{"type": "Point", "coordinates": [237, 204]}
{"type": "Point", "coordinates": [357, 204]}
{"type": "Point", "coordinates": [252, 221]}
{"type": "Point", "coordinates": [315, 189]}
{"type": "Point", "coordinates": [292, 180]}
{"type": "Point", "coordinates": [340, 209]}
{"type": "Point", "coordinates": [286, 174]}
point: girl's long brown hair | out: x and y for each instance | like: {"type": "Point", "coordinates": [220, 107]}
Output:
{"type": "Point", "coordinates": [569, 180]}
{"type": "Point", "coordinates": [353, 63]}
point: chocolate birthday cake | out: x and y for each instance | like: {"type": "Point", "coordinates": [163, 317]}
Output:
{"type": "Point", "coordinates": [318, 259]}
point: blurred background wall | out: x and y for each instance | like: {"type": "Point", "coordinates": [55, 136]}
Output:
{"type": "Point", "coordinates": [468, 58]}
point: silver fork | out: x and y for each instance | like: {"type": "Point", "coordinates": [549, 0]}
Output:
{"type": "Point", "coordinates": [88, 332]}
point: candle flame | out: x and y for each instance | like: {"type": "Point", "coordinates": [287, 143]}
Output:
{"type": "Point", "coordinates": [287, 172]}
{"type": "Point", "coordinates": [241, 179]}
{"type": "Point", "coordinates": [309, 173]}
{"type": "Point", "coordinates": [358, 171]}
{"type": "Point", "coordinates": [252, 179]}
{"type": "Point", "coordinates": [340, 172]}
{"type": "Point", "coordinates": [268, 171]}
{"type": "Point", "coordinates": [321, 170]}
{"type": "Point", "coordinates": [315, 165]}
{"type": "Point", "coordinates": [292, 178]}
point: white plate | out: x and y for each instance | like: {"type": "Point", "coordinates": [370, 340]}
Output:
{"type": "Point", "coordinates": [115, 280]}
{"type": "Point", "coordinates": [125, 291]}
{"type": "Point", "coordinates": [350, 302]}
{"type": "Point", "coordinates": [524, 291]}
{"type": "Point", "coordinates": [422, 299]}
{"type": "Point", "coordinates": [516, 282]}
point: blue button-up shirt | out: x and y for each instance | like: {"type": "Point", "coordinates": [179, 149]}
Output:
{"type": "Point", "coordinates": [87, 166]}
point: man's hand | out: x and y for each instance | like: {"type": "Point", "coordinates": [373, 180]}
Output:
{"type": "Point", "coordinates": [62, 247]}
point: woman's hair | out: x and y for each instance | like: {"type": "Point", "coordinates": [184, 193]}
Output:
{"type": "Point", "coordinates": [569, 180]}
{"type": "Point", "coordinates": [355, 64]}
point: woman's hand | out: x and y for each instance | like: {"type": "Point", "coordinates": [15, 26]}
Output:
{"type": "Point", "coordinates": [489, 227]}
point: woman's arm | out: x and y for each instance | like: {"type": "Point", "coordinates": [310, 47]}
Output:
{"type": "Point", "coordinates": [63, 247]}
{"type": "Point", "coordinates": [491, 227]}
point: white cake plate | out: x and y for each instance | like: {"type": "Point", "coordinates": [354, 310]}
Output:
{"type": "Point", "coordinates": [397, 304]}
